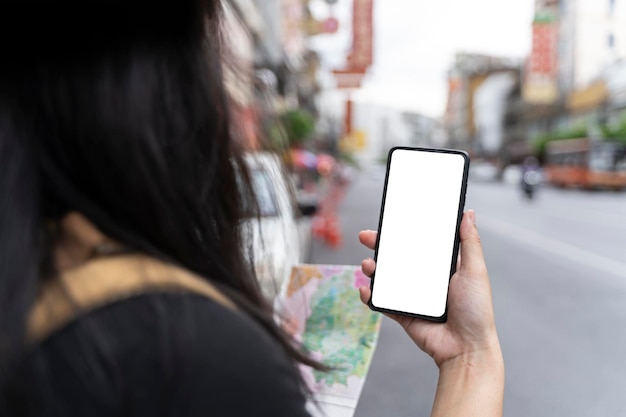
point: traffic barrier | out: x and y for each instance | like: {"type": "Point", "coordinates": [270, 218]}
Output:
{"type": "Point", "coordinates": [326, 225]}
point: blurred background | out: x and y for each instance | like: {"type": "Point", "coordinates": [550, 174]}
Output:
{"type": "Point", "coordinates": [535, 91]}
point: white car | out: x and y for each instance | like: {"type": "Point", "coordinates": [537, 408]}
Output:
{"type": "Point", "coordinates": [483, 171]}
{"type": "Point", "coordinates": [281, 237]}
{"type": "Point", "coordinates": [512, 174]}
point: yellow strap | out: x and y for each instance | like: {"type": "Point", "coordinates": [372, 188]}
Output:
{"type": "Point", "coordinates": [103, 281]}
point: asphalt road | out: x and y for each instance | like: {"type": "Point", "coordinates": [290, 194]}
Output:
{"type": "Point", "coordinates": [558, 269]}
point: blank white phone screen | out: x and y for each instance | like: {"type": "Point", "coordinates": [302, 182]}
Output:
{"type": "Point", "coordinates": [417, 232]}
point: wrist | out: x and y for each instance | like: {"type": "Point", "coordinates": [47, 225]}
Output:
{"type": "Point", "coordinates": [471, 383]}
{"type": "Point", "coordinates": [484, 359]}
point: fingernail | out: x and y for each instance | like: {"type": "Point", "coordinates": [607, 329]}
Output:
{"type": "Point", "coordinates": [472, 216]}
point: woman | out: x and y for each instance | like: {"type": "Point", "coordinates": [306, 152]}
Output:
{"type": "Point", "coordinates": [117, 167]}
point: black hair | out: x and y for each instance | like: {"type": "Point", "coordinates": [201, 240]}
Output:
{"type": "Point", "coordinates": [118, 110]}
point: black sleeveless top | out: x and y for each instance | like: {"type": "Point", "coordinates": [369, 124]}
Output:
{"type": "Point", "coordinates": [158, 354]}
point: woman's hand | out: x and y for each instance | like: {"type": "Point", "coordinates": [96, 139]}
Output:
{"type": "Point", "coordinates": [465, 348]}
{"type": "Point", "coordinates": [469, 335]}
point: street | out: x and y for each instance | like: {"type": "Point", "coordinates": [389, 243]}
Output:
{"type": "Point", "coordinates": [558, 272]}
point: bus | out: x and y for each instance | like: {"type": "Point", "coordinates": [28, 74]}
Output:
{"type": "Point", "coordinates": [586, 164]}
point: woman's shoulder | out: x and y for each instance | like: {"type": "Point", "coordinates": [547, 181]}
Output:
{"type": "Point", "coordinates": [173, 351]}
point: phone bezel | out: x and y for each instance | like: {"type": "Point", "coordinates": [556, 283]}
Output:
{"type": "Point", "coordinates": [455, 251]}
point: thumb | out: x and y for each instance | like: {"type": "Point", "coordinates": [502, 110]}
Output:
{"type": "Point", "coordinates": [472, 260]}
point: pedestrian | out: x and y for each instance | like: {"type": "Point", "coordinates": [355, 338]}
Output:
{"type": "Point", "coordinates": [125, 286]}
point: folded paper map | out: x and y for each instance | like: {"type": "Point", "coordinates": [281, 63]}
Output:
{"type": "Point", "coordinates": [320, 306]}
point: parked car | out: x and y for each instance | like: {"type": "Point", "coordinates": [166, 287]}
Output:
{"type": "Point", "coordinates": [512, 174]}
{"type": "Point", "coordinates": [281, 237]}
{"type": "Point", "coordinates": [483, 171]}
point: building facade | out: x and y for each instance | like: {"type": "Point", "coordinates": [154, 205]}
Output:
{"type": "Point", "coordinates": [592, 37]}
{"type": "Point", "coordinates": [465, 78]}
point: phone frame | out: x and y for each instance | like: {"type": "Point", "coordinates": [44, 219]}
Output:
{"type": "Point", "coordinates": [455, 251]}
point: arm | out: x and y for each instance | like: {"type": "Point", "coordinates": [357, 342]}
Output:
{"type": "Point", "coordinates": [465, 348]}
{"type": "Point", "coordinates": [470, 386]}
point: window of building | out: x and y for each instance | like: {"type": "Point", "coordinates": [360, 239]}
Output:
{"type": "Point", "coordinates": [611, 6]}
{"type": "Point", "coordinates": [611, 41]}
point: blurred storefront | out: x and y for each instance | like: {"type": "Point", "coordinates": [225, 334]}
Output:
{"type": "Point", "coordinates": [276, 73]}
{"type": "Point", "coordinates": [465, 78]}
{"type": "Point", "coordinates": [490, 103]}
{"type": "Point", "coordinates": [242, 21]}
{"type": "Point", "coordinates": [614, 77]}
{"type": "Point", "coordinates": [571, 84]}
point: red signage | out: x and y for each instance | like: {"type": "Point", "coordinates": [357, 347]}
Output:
{"type": "Point", "coordinates": [541, 77]}
{"type": "Point", "coordinates": [348, 79]}
{"type": "Point", "coordinates": [361, 55]}
{"type": "Point", "coordinates": [543, 58]}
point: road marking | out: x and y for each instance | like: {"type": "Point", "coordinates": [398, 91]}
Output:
{"type": "Point", "coordinates": [595, 218]}
{"type": "Point", "coordinates": [556, 247]}
{"type": "Point", "coordinates": [591, 215]}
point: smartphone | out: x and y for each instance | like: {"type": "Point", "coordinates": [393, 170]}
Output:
{"type": "Point", "coordinates": [418, 231]}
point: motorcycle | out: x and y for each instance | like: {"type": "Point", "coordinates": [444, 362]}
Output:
{"type": "Point", "coordinates": [530, 182]}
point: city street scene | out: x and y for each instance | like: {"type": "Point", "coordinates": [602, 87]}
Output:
{"type": "Point", "coordinates": [192, 208]}
{"type": "Point", "coordinates": [557, 270]}
{"type": "Point", "coordinates": [535, 92]}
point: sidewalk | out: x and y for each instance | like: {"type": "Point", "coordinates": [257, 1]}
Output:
{"type": "Point", "coordinates": [326, 226]}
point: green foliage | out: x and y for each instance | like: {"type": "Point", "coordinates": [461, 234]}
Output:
{"type": "Point", "coordinates": [571, 133]}
{"type": "Point", "coordinates": [299, 125]}
{"type": "Point", "coordinates": [616, 131]}
{"type": "Point", "coordinates": [544, 20]}
{"type": "Point", "coordinates": [612, 132]}
{"type": "Point", "coordinates": [540, 141]}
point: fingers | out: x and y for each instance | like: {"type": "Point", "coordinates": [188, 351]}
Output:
{"type": "Point", "coordinates": [368, 238]}
{"type": "Point", "coordinates": [472, 261]}
{"type": "Point", "coordinates": [365, 294]}
{"type": "Point", "coordinates": [368, 266]}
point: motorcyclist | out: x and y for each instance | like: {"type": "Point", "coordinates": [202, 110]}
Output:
{"type": "Point", "coordinates": [531, 176]}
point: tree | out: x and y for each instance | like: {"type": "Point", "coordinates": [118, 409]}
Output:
{"type": "Point", "coordinates": [299, 125]}
{"type": "Point", "coordinates": [541, 141]}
